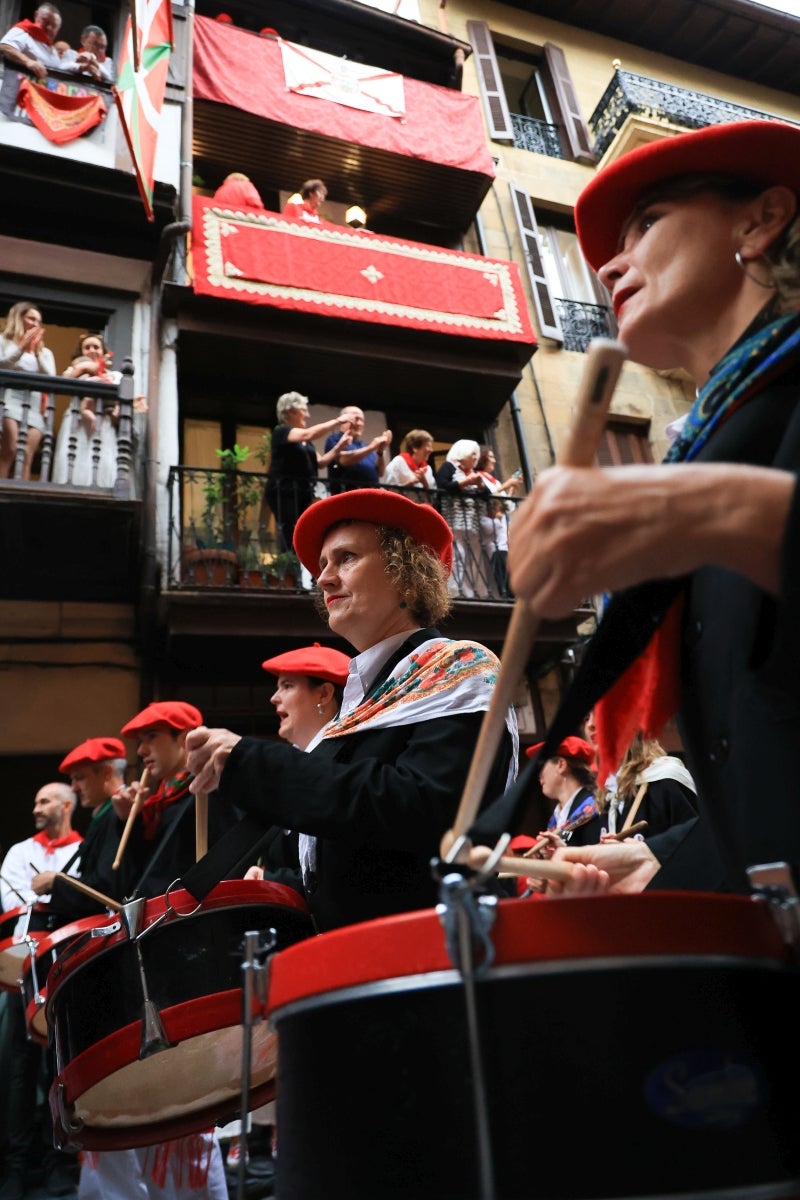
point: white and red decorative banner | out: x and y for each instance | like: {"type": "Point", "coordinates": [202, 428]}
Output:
{"type": "Point", "coordinates": [264, 258]}
{"type": "Point", "coordinates": [139, 92]}
{"type": "Point", "coordinates": [60, 116]}
{"type": "Point", "coordinates": [441, 125]}
{"type": "Point", "coordinates": [326, 77]}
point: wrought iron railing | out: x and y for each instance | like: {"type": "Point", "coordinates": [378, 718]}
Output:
{"type": "Point", "coordinates": [628, 93]}
{"type": "Point", "coordinates": [231, 530]}
{"type": "Point", "coordinates": [581, 322]}
{"type": "Point", "coordinates": [537, 136]}
{"type": "Point", "coordinates": [98, 445]}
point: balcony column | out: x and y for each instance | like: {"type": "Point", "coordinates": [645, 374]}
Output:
{"type": "Point", "coordinates": [167, 431]}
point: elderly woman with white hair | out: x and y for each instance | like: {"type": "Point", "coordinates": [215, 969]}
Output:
{"type": "Point", "coordinates": [295, 462]}
{"type": "Point", "coordinates": [462, 510]}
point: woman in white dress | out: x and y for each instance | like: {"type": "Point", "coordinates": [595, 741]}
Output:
{"type": "Point", "coordinates": [86, 449]}
{"type": "Point", "coordinates": [22, 348]}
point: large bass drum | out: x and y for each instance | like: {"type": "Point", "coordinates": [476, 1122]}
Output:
{"type": "Point", "coordinates": [114, 1088]}
{"type": "Point", "coordinates": [633, 1046]}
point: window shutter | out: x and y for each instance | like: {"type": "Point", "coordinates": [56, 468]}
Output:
{"type": "Point", "coordinates": [176, 72]}
{"type": "Point", "coordinates": [549, 324]}
{"type": "Point", "coordinates": [498, 117]}
{"type": "Point", "coordinates": [623, 444]}
{"type": "Point", "coordinates": [577, 132]}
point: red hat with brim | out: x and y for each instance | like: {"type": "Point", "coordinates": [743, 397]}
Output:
{"type": "Point", "coordinates": [321, 662]}
{"type": "Point", "coordinates": [93, 750]}
{"type": "Point", "coordinates": [764, 152]}
{"type": "Point", "coordinates": [571, 747]}
{"type": "Point", "coordinates": [163, 714]}
{"type": "Point", "coordinates": [378, 507]}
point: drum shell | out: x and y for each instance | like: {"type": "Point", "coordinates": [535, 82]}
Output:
{"type": "Point", "coordinates": [194, 969]}
{"type": "Point", "coordinates": [645, 1058]}
{"type": "Point", "coordinates": [48, 947]}
{"type": "Point", "coordinates": [13, 948]}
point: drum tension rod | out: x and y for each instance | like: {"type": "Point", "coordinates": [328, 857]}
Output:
{"type": "Point", "coordinates": [467, 917]}
{"type": "Point", "coordinates": [773, 883]}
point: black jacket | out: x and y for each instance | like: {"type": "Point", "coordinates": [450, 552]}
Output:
{"type": "Point", "coordinates": [378, 803]}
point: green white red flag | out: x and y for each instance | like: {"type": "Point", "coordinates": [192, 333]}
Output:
{"type": "Point", "coordinates": [139, 92]}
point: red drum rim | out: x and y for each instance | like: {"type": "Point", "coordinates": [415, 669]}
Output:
{"type": "Point", "coordinates": [193, 1018]}
{"type": "Point", "coordinates": [243, 891]}
{"type": "Point", "coordinates": [648, 925]}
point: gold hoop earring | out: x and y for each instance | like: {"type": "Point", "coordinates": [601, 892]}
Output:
{"type": "Point", "coordinates": [740, 264]}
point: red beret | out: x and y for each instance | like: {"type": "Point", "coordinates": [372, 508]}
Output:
{"type": "Point", "coordinates": [521, 842]}
{"type": "Point", "coordinates": [571, 747]}
{"type": "Point", "coordinates": [379, 507]}
{"type": "Point", "coordinates": [225, 18]}
{"type": "Point", "coordinates": [765, 152]}
{"type": "Point", "coordinates": [93, 750]}
{"type": "Point", "coordinates": [163, 714]}
{"type": "Point", "coordinates": [319, 661]}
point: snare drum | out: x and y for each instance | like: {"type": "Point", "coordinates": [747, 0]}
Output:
{"type": "Point", "coordinates": [633, 1046]}
{"type": "Point", "coordinates": [105, 1096]}
{"type": "Point", "coordinates": [35, 971]}
{"type": "Point", "coordinates": [15, 924]}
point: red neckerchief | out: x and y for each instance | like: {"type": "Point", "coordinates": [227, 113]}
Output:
{"type": "Point", "coordinates": [35, 31]}
{"type": "Point", "coordinates": [168, 792]}
{"type": "Point", "coordinates": [409, 460]}
{"type": "Point", "coordinates": [51, 844]}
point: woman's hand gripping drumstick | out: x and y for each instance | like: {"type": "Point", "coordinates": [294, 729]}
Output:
{"type": "Point", "coordinates": [604, 360]}
{"type": "Point", "coordinates": [138, 800]}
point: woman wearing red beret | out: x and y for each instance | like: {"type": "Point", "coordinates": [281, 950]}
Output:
{"type": "Point", "coordinates": [696, 238]}
{"type": "Point", "coordinates": [376, 794]}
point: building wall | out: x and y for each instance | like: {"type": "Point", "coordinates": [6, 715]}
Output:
{"type": "Point", "coordinates": [554, 184]}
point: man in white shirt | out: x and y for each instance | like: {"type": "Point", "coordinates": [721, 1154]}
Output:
{"type": "Point", "coordinates": [29, 44]}
{"type": "Point", "coordinates": [51, 848]}
{"type": "Point", "coordinates": [92, 58]}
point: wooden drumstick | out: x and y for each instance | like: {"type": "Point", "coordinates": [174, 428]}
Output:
{"type": "Point", "coordinates": [538, 868]}
{"type": "Point", "coordinates": [106, 901]}
{"type": "Point", "coordinates": [132, 815]}
{"type": "Point", "coordinates": [604, 359]}
{"type": "Point", "coordinates": [200, 825]}
{"type": "Point", "coordinates": [629, 832]}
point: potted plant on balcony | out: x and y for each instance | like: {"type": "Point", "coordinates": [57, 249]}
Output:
{"type": "Point", "coordinates": [214, 559]}
{"type": "Point", "coordinates": [286, 566]}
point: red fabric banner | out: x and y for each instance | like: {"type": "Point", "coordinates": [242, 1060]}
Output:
{"type": "Point", "coordinates": [264, 258]}
{"type": "Point", "coordinates": [440, 125]}
{"type": "Point", "coordinates": [59, 116]}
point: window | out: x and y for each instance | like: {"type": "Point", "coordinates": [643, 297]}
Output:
{"type": "Point", "coordinates": [571, 304]}
{"type": "Point", "coordinates": [529, 97]}
{"type": "Point", "coordinates": [625, 442]}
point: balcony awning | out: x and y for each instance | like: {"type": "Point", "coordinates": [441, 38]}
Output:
{"type": "Point", "coordinates": [265, 259]}
{"type": "Point", "coordinates": [432, 165]}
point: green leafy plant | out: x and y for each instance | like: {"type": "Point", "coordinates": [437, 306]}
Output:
{"type": "Point", "coordinates": [286, 564]}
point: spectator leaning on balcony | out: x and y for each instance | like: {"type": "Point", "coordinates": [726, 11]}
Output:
{"type": "Point", "coordinates": [237, 188]}
{"type": "Point", "coordinates": [462, 510]}
{"type": "Point", "coordinates": [312, 195]}
{"type": "Point", "coordinates": [22, 348]}
{"type": "Point", "coordinates": [295, 462]}
{"type": "Point", "coordinates": [410, 468]}
{"type": "Point", "coordinates": [92, 58]}
{"type": "Point", "coordinates": [29, 44]}
{"type": "Point", "coordinates": [362, 464]}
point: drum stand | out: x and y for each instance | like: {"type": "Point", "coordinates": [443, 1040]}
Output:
{"type": "Point", "coordinates": [467, 915]}
{"type": "Point", "coordinates": [257, 948]}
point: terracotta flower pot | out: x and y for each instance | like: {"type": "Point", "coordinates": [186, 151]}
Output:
{"type": "Point", "coordinates": [210, 568]}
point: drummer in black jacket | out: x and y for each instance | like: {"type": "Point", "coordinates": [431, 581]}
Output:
{"type": "Point", "coordinates": [374, 797]}
{"type": "Point", "coordinates": [96, 770]}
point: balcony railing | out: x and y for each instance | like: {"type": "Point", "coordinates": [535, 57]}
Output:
{"type": "Point", "coordinates": [581, 322]}
{"type": "Point", "coordinates": [228, 532]}
{"type": "Point", "coordinates": [98, 452]}
{"type": "Point", "coordinates": [628, 93]}
{"type": "Point", "coordinates": [537, 136]}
